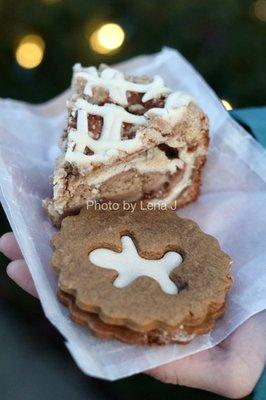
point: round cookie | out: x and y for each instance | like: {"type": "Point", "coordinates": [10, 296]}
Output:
{"type": "Point", "coordinates": [185, 289]}
{"type": "Point", "coordinates": [180, 335]}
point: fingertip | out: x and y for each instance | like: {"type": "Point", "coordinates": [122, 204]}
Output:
{"type": "Point", "coordinates": [18, 271]}
{"type": "Point", "coordinates": [11, 270]}
{"type": "Point", "coordinates": [9, 246]}
{"type": "Point", "coordinates": [5, 237]}
{"type": "Point", "coordinates": [1, 243]}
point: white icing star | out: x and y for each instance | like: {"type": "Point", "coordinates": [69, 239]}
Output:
{"type": "Point", "coordinates": [130, 265]}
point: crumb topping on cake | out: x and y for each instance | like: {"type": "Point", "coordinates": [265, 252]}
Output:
{"type": "Point", "coordinates": [117, 86]}
{"type": "Point", "coordinates": [99, 132]}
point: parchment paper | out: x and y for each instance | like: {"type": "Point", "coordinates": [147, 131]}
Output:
{"type": "Point", "coordinates": [231, 207]}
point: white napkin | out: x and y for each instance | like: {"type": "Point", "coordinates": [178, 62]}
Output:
{"type": "Point", "coordinates": [231, 207]}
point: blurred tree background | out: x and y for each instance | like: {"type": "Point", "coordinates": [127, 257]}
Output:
{"type": "Point", "coordinates": [224, 40]}
{"type": "Point", "coordinates": [40, 40]}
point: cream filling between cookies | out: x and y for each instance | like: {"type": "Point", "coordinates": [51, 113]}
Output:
{"type": "Point", "coordinates": [179, 335]}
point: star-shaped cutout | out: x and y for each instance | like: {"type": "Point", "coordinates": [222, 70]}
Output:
{"type": "Point", "coordinates": [130, 265]}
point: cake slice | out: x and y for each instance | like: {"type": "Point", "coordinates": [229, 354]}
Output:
{"type": "Point", "coordinates": [127, 139]}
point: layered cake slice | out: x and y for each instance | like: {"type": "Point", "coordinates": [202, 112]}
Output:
{"type": "Point", "coordinates": [127, 138]}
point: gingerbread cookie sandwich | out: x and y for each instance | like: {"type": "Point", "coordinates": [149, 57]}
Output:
{"type": "Point", "coordinates": [143, 277]}
{"type": "Point", "coordinates": [127, 138]}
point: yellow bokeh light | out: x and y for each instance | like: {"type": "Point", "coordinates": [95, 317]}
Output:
{"type": "Point", "coordinates": [107, 38]}
{"type": "Point", "coordinates": [94, 42]}
{"type": "Point", "coordinates": [111, 36]}
{"type": "Point", "coordinates": [227, 105]}
{"type": "Point", "coordinates": [260, 9]}
{"type": "Point", "coordinates": [30, 51]}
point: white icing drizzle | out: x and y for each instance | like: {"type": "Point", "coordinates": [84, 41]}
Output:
{"type": "Point", "coordinates": [130, 265]}
{"type": "Point", "coordinates": [110, 142]}
{"type": "Point", "coordinates": [174, 107]}
{"type": "Point", "coordinates": [117, 86]}
{"type": "Point", "coordinates": [110, 138]}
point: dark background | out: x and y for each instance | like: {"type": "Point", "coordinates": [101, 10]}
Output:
{"type": "Point", "coordinates": [224, 40]}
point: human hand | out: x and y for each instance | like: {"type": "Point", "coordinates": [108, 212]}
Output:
{"type": "Point", "coordinates": [17, 269]}
{"type": "Point", "coordinates": [231, 368]}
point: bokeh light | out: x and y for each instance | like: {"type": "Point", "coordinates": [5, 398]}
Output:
{"type": "Point", "coordinates": [107, 38]}
{"type": "Point", "coordinates": [227, 105]}
{"type": "Point", "coordinates": [259, 8]}
{"type": "Point", "coordinates": [30, 50]}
